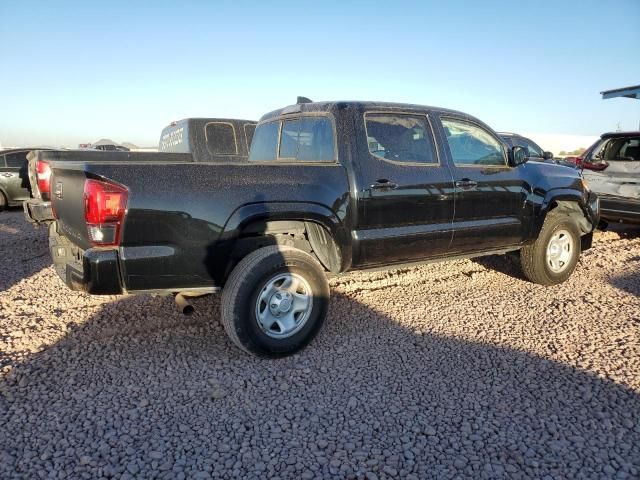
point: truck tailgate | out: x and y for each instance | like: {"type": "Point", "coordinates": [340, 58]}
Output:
{"type": "Point", "coordinates": [67, 192]}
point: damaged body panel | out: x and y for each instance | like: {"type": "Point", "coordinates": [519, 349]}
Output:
{"type": "Point", "coordinates": [612, 170]}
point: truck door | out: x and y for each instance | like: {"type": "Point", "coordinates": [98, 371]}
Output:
{"type": "Point", "coordinates": [404, 190]}
{"type": "Point", "coordinates": [16, 177]}
{"type": "Point", "coordinates": [491, 209]}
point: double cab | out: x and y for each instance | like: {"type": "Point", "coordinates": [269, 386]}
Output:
{"type": "Point", "coordinates": [328, 187]}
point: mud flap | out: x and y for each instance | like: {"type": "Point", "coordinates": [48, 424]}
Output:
{"type": "Point", "coordinates": [586, 241]}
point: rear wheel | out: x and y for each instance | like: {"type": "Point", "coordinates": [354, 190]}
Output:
{"type": "Point", "coordinates": [275, 301]}
{"type": "Point", "coordinates": [553, 257]}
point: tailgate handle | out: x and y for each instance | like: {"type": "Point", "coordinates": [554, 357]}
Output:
{"type": "Point", "coordinates": [466, 184]}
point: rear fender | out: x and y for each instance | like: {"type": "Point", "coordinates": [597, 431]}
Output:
{"type": "Point", "coordinates": [298, 211]}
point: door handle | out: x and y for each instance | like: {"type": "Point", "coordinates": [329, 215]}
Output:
{"type": "Point", "coordinates": [383, 185]}
{"type": "Point", "coordinates": [466, 184]}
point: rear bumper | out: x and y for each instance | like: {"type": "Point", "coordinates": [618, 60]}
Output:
{"type": "Point", "coordinates": [92, 271]}
{"type": "Point", "coordinates": [37, 211]}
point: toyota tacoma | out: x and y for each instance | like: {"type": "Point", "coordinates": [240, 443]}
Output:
{"type": "Point", "coordinates": [329, 187]}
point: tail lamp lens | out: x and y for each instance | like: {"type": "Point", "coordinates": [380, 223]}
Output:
{"type": "Point", "coordinates": [43, 175]}
{"type": "Point", "coordinates": [105, 205]}
{"type": "Point", "coordinates": [595, 166]}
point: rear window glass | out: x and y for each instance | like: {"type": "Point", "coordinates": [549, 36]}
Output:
{"type": "Point", "coordinates": [17, 160]}
{"type": "Point", "coordinates": [307, 139]}
{"type": "Point", "coordinates": [618, 149]}
{"type": "Point", "coordinates": [400, 137]}
{"type": "Point", "coordinates": [264, 145]}
{"type": "Point", "coordinates": [221, 138]}
{"type": "Point", "coordinates": [249, 130]}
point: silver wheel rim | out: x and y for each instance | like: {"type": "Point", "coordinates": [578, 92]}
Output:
{"type": "Point", "coordinates": [284, 305]}
{"type": "Point", "coordinates": [560, 251]}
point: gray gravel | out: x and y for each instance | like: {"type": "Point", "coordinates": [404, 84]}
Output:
{"type": "Point", "coordinates": [448, 370]}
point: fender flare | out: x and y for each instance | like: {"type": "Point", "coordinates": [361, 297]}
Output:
{"type": "Point", "coordinates": [297, 211]}
{"type": "Point", "coordinates": [565, 195]}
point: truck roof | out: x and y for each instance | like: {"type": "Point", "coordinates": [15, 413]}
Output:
{"type": "Point", "coordinates": [331, 106]}
{"type": "Point", "coordinates": [210, 119]}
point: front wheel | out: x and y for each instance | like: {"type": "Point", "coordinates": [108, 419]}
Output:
{"type": "Point", "coordinates": [553, 257]}
{"type": "Point", "coordinates": [275, 301]}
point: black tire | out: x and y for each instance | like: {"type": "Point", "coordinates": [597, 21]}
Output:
{"type": "Point", "coordinates": [3, 202]}
{"type": "Point", "coordinates": [533, 258]}
{"type": "Point", "coordinates": [246, 282]}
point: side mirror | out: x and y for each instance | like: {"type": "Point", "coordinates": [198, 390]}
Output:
{"type": "Point", "coordinates": [519, 155]}
{"type": "Point", "coordinates": [547, 155]}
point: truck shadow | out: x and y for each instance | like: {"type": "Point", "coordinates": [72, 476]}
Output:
{"type": "Point", "coordinates": [22, 253]}
{"type": "Point", "coordinates": [624, 231]}
{"type": "Point", "coordinates": [508, 264]}
{"type": "Point", "coordinates": [629, 282]}
{"type": "Point", "coordinates": [138, 384]}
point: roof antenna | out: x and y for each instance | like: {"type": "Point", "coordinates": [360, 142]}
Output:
{"type": "Point", "coordinates": [303, 100]}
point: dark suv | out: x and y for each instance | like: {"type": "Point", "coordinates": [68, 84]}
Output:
{"type": "Point", "coordinates": [533, 149]}
{"type": "Point", "coordinates": [14, 178]}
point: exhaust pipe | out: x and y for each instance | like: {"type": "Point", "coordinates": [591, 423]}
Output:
{"type": "Point", "coordinates": [183, 305]}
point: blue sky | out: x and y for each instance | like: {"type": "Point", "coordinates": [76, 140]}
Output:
{"type": "Point", "coordinates": [77, 71]}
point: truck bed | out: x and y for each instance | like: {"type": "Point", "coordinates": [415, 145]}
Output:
{"type": "Point", "coordinates": [180, 222]}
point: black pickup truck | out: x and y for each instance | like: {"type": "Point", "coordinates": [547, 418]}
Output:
{"type": "Point", "coordinates": [329, 187]}
{"type": "Point", "coordinates": [217, 140]}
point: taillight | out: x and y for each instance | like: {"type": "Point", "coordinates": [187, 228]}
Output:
{"type": "Point", "coordinates": [576, 160]}
{"type": "Point", "coordinates": [105, 205]}
{"type": "Point", "coordinates": [43, 175]}
{"type": "Point", "coordinates": [595, 166]}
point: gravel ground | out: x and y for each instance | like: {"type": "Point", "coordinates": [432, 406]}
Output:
{"type": "Point", "coordinates": [458, 369]}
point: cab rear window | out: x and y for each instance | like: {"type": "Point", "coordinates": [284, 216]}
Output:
{"type": "Point", "coordinates": [221, 138]}
{"type": "Point", "coordinates": [303, 139]}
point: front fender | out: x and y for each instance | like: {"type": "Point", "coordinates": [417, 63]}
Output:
{"type": "Point", "coordinates": [587, 202]}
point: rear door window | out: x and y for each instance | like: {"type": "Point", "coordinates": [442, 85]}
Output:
{"type": "Point", "coordinates": [221, 138]}
{"type": "Point", "coordinates": [17, 160]}
{"type": "Point", "coordinates": [400, 137]}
